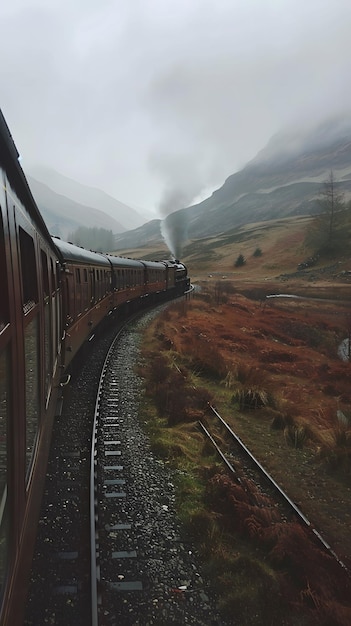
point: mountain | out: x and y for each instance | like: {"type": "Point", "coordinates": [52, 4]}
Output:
{"type": "Point", "coordinates": [63, 215]}
{"type": "Point", "coordinates": [84, 195]}
{"type": "Point", "coordinates": [283, 180]}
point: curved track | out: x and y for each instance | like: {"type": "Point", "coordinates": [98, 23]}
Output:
{"type": "Point", "coordinates": [142, 570]}
{"type": "Point", "coordinates": [280, 493]}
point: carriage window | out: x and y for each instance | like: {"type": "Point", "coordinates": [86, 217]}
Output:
{"type": "Point", "coordinates": [44, 265]}
{"type": "Point", "coordinates": [32, 386]}
{"type": "Point", "coordinates": [4, 296]}
{"type": "Point", "coordinates": [52, 272]}
{"type": "Point", "coordinates": [47, 346]}
{"type": "Point", "coordinates": [29, 274]}
{"type": "Point", "coordinates": [4, 410]}
{"type": "Point", "coordinates": [78, 275]}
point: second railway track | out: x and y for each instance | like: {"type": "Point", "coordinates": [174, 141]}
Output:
{"type": "Point", "coordinates": [264, 479]}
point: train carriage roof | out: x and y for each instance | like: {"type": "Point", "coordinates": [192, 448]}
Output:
{"type": "Point", "coordinates": [120, 262]}
{"type": "Point", "coordinates": [70, 252]}
{"type": "Point", "coordinates": [9, 161]}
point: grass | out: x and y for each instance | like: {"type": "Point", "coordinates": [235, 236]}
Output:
{"type": "Point", "coordinates": [249, 552]}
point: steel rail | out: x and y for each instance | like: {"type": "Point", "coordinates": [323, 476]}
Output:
{"type": "Point", "coordinates": [94, 513]}
{"type": "Point", "coordinates": [219, 451]}
{"type": "Point", "coordinates": [282, 493]}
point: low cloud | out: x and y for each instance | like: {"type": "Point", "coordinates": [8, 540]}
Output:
{"type": "Point", "coordinates": [156, 101]}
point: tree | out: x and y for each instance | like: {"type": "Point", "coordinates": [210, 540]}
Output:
{"type": "Point", "coordinates": [258, 252]}
{"type": "Point", "coordinates": [98, 239]}
{"type": "Point", "coordinates": [240, 261]}
{"type": "Point", "coordinates": [326, 227]}
{"type": "Point", "coordinates": [331, 201]}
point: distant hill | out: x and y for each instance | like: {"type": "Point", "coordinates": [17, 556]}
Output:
{"type": "Point", "coordinates": [63, 215]}
{"type": "Point", "coordinates": [149, 233]}
{"type": "Point", "coordinates": [283, 180]}
{"type": "Point", "coordinates": [122, 217]}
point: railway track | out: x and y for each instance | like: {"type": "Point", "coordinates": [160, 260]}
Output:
{"type": "Point", "coordinates": [129, 564]}
{"type": "Point", "coordinates": [108, 483]}
{"type": "Point", "coordinates": [59, 592]}
{"type": "Point", "coordinates": [142, 570]}
{"type": "Point", "coordinates": [108, 486]}
{"type": "Point", "coordinates": [273, 486]}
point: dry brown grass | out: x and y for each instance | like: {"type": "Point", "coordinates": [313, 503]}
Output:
{"type": "Point", "coordinates": [282, 353]}
{"type": "Point", "coordinates": [268, 360]}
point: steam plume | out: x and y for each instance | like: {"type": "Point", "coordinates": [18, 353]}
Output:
{"type": "Point", "coordinates": [182, 185]}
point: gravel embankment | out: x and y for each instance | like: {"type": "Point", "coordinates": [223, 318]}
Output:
{"type": "Point", "coordinates": [174, 591]}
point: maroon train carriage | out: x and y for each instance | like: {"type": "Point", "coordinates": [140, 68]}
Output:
{"type": "Point", "coordinates": [86, 284]}
{"type": "Point", "coordinates": [52, 297]}
{"type": "Point", "coordinates": [94, 284]}
{"type": "Point", "coordinates": [30, 340]}
{"type": "Point", "coordinates": [155, 277]}
{"type": "Point", "coordinates": [128, 280]}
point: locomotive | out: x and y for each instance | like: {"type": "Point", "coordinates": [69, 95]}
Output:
{"type": "Point", "coordinates": [53, 295]}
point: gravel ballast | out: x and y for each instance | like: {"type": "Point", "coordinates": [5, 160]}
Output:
{"type": "Point", "coordinates": [173, 588]}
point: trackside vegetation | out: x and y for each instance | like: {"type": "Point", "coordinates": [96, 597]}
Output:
{"type": "Point", "coordinates": [234, 354]}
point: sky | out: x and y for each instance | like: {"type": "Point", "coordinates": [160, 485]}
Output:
{"type": "Point", "coordinates": [156, 102]}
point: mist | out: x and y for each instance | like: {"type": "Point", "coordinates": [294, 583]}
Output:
{"type": "Point", "coordinates": [155, 101]}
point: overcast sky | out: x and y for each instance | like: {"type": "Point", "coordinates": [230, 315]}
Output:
{"type": "Point", "coordinates": [157, 101]}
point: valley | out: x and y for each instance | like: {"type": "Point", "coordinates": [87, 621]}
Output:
{"type": "Point", "coordinates": [234, 342]}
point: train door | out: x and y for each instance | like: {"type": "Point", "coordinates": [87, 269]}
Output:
{"type": "Point", "coordinates": [20, 396]}
{"type": "Point", "coordinates": [47, 326]}
{"type": "Point", "coordinates": [32, 339]}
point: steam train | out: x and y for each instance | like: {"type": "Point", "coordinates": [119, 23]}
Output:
{"type": "Point", "coordinates": [53, 295]}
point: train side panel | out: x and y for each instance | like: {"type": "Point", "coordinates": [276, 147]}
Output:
{"type": "Point", "coordinates": [155, 277]}
{"type": "Point", "coordinates": [30, 329]}
{"type": "Point", "coordinates": [128, 280]}
{"type": "Point", "coordinates": [52, 297]}
{"type": "Point", "coordinates": [86, 279]}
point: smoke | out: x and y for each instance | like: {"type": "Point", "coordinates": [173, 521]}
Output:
{"type": "Point", "coordinates": [174, 223]}
{"type": "Point", "coordinates": [183, 182]}
{"type": "Point", "coordinates": [174, 229]}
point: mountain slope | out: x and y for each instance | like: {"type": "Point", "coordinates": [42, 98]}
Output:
{"type": "Point", "coordinates": [88, 196]}
{"type": "Point", "coordinates": [283, 180]}
{"type": "Point", "coordinates": [149, 233]}
{"type": "Point", "coordinates": [62, 215]}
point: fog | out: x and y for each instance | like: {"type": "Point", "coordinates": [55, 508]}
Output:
{"type": "Point", "coordinates": [156, 102]}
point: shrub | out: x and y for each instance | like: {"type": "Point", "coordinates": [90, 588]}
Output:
{"type": "Point", "coordinates": [251, 398]}
{"type": "Point", "coordinates": [295, 435]}
{"type": "Point", "coordinates": [280, 420]}
{"type": "Point", "coordinates": [258, 252]}
{"type": "Point", "coordinates": [206, 358]}
{"type": "Point", "coordinates": [249, 375]}
{"type": "Point", "coordinates": [240, 261]}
